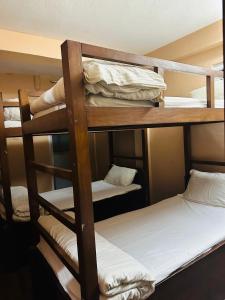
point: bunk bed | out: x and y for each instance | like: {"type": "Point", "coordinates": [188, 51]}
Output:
{"type": "Point", "coordinates": [10, 128]}
{"type": "Point", "coordinates": [79, 234]}
{"type": "Point", "coordinates": [14, 202]}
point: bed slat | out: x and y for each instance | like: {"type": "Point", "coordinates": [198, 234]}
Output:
{"type": "Point", "coordinates": [57, 213]}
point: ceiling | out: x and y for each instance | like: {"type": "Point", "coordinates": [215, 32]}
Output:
{"type": "Point", "coordinates": [137, 26]}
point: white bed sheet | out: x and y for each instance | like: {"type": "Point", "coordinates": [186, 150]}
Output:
{"type": "Point", "coordinates": [63, 198]}
{"type": "Point", "coordinates": [12, 124]}
{"type": "Point", "coordinates": [190, 102]}
{"type": "Point", "coordinates": [162, 237]}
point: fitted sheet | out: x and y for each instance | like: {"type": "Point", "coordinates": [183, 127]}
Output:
{"type": "Point", "coordinates": [190, 102]}
{"type": "Point", "coordinates": [12, 124]}
{"type": "Point", "coordinates": [162, 237]}
{"type": "Point", "coordinates": [62, 198]}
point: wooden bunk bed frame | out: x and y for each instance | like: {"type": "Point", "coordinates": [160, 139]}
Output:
{"type": "Point", "coordinates": [6, 133]}
{"type": "Point", "coordinates": [78, 119]}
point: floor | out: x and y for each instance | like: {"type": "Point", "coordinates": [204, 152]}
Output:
{"type": "Point", "coordinates": [15, 278]}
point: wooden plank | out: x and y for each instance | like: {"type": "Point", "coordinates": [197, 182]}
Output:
{"type": "Point", "coordinates": [56, 121]}
{"type": "Point", "coordinates": [146, 166]}
{"type": "Point", "coordinates": [100, 118]}
{"type": "Point", "coordinates": [129, 157]}
{"type": "Point", "coordinates": [57, 213]}
{"type": "Point", "coordinates": [103, 117]}
{"type": "Point", "coordinates": [111, 148]}
{"type": "Point", "coordinates": [63, 256]}
{"type": "Point", "coordinates": [81, 167]}
{"type": "Point", "coordinates": [55, 171]}
{"type": "Point", "coordinates": [10, 104]}
{"type": "Point", "coordinates": [29, 156]}
{"type": "Point", "coordinates": [187, 152]}
{"type": "Point", "coordinates": [210, 92]}
{"type": "Point", "coordinates": [4, 165]}
{"type": "Point", "coordinates": [123, 57]}
{"type": "Point", "coordinates": [208, 162]}
{"type": "Point", "coordinates": [13, 132]}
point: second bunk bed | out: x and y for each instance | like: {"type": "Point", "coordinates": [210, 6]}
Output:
{"type": "Point", "coordinates": [175, 243]}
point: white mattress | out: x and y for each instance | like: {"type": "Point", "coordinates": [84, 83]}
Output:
{"type": "Point", "coordinates": [190, 102]}
{"type": "Point", "coordinates": [99, 101]}
{"type": "Point", "coordinates": [63, 198]}
{"type": "Point", "coordinates": [162, 237]}
{"type": "Point", "coordinates": [12, 124]}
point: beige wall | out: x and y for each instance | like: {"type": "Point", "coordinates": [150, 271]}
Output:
{"type": "Point", "coordinates": [203, 48]}
{"type": "Point", "coordinates": [9, 85]}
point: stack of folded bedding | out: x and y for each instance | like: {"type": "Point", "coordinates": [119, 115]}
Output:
{"type": "Point", "coordinates": [12, 115]}
{"type": "Point", "coordinates": [108, 84]}
{"type": "Point", "coordinates": [20, 205]}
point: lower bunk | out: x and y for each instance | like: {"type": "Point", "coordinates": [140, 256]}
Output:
{"type": "Point", "coordinates": [171, 250]}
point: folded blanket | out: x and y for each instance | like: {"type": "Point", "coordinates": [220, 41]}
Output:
{"type": "Point", "coordinates": [120, 276]}
{"type": "Point", "coordinates": [20, 201]}
{"type": "Point", "coordinates": [108, 80]}
{"type": "Point", "coordinates": [97, 100]}
{"type": "Point", "coordinates": [12, 114]}
{"type": "Point", "coordinates": [121, 75]}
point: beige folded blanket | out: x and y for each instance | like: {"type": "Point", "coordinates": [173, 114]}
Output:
{"type": "Point", "coordinates": [108, 80]}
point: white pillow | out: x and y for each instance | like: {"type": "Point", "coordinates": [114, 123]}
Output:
{"type": "Point", "coordinates": [120, 175]}
{"type": "Point", "coordinates": [206, 188]}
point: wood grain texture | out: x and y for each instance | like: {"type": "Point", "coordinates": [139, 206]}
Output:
{"type": "Point", "coordinates": [123, 57]}
{"type": "Point", "coordinates": [29, 156]}
{"type": "Point", "coordinates": [187, 152]}
{"type": "Point", "coordinates": [4, 165]}
{"type": "Point", "coordinates": [100, 118]}
{"type": "Point", "coordinates": [210, 92]}
{"type": "Point", "coordinates": [81, 168]}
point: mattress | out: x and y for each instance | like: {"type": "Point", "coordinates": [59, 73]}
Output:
{"type": "Point", "coordinates": [189, 102]}
{"type": "Point", "coordinates": [63, 198]}
{"type": "Point", "coordinates": [162, 237]}
{"type": "Point", "coordinates": [98, 101]}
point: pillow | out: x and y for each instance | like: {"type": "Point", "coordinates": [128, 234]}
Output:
{"type": "Point", "coordinates": [206, 188]}
{"type": "Point", "coordinates": [120, 175]}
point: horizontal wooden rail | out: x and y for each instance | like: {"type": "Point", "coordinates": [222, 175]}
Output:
{"type": "Point", "coordinates": [55, 171]}
{"type": "Point", "coordinates": [9, 104]}
{"type": "Point", "coordinates": [13, 132]}
{"type": "Point", "coordinates": [141, 60]}
{"type": "Point", "coordinates": [63, 256]}
{"type": "Point", "coordinates": [208, 162]}
{"type": "Point", "coordinates": [57, 213]}
{"type": "Point", "coordinates": [128, 157]}
{"type": "Point", "coordinates": [117, 118]}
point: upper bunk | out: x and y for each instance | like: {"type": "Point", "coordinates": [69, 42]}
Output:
{"type": "Point", "coordinates": [9, 127]}
{"type": "Point", "coordinates": [103, 118]}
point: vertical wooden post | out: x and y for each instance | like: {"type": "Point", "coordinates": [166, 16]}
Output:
{"type": "Point", "coordinates": [187, 151]}
{"type": "Point", "coordinates": [5, 172]}
{"type": "Point", "coordinates": [111, 148]}
{"type": "Point", "coordinates": [29, 156]}
{"type": "Point", "coordinates": [146, 166]}
{"type": "Point", "coordinates": [81, 168]}
{"type": "Point", "coordinates": [210, 93]}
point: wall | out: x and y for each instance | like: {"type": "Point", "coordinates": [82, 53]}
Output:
{"type": "Point", "coordinates": [203, 48]}
{"type": "Point", "coordinates": [9, 85]}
